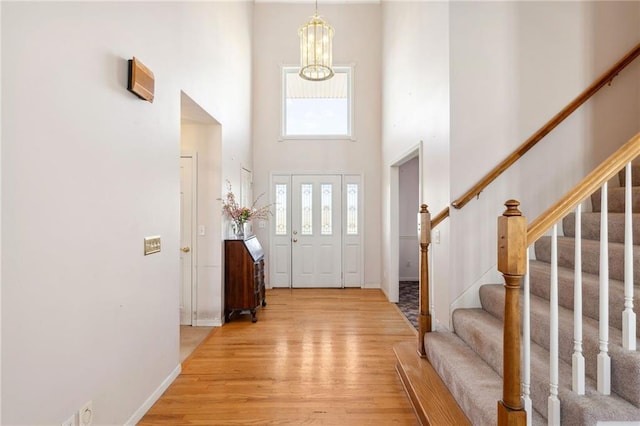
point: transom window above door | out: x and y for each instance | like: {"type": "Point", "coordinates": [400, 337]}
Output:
{"type": "Point", "coordinates": [317, 109]}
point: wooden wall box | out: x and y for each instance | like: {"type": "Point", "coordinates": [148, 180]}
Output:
{"type": "Point", "coordinates": [141, 81]}
{"type": "Point", "coordinates": [244, 288]}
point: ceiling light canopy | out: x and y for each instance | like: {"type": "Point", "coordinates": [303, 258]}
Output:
{"type": "Point", "coordinates": [316, 49]}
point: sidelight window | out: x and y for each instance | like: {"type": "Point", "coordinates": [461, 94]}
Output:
{"type": "Point", "coordinates": [281, 209]}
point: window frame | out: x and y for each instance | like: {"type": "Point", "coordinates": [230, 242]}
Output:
{"type": "Point", "coordinates": [348, 70]}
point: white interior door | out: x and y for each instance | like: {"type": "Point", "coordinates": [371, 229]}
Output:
{"type": "Point", "coordinates": [186, 235]}
{"type": "Point", "coordinates": [316, 231]}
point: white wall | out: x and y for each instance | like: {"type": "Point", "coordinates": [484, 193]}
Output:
{"type": "Point", "coordinates": [88, 170]}
{"type": "Point", "coordinates": [409, 259]}
{"type": "Point", "coordinates": [416, 109]}
{"type": "Point", "coordinates": [357, 41]}
{"type": "Point", "coordinates": [1, 97]}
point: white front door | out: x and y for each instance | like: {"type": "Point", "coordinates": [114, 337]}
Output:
{"type": "Point", "coordinates": [316, 231]}
{"type": "Point", "coordinates": [186, 232]}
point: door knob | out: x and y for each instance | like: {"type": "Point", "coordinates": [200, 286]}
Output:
{"type": "Point", "coordinates": [295, 232]}
{"type": "Point", "coordinates": [295, 240]}
{"type": "Point", "coordinates": [186, 249]}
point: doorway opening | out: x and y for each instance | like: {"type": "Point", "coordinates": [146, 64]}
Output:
{"type": "Point", "coordinates": [200, 224]}
{"type": "Point", "coordinates": [408, 242]}
{"type": "Point", "coordinates": [404, 204]}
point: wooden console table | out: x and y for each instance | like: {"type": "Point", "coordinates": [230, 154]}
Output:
{"type": "Point", "coordinates": [244, 288]}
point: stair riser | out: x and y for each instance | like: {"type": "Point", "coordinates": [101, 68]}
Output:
{"type": "Point", "coordinates": [590, 256]}
{"type": "Point", "coordinates": [539, 279]}
{"type": "Point", "coordinates": [615, 199]}
{"type": "Point", "coordinates": [591, 227]}
{"type": "Point", "coordinates": [635, 176]}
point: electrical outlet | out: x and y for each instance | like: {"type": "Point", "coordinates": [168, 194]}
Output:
{"type": "Point", "coordinates": [71, 421]}
{"type": "Point", "coordinates": [85, 414]}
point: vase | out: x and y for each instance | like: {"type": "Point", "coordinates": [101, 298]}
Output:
{"type": "Point", "coordinates": [238, 230]}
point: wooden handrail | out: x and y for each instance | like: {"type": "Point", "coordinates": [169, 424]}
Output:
{"type": "Point", "coordinates": [440, 217]}
{"type": "Point", "coordinates": [605, 78]}
{"type": "Point", "coordinates": [587, 186]}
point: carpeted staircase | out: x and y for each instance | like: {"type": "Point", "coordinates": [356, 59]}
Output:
{"type": "Point", "coordinates": [469, 360]}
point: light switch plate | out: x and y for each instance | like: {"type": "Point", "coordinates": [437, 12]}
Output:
{"type": "Point", "coordinates": [71, 421]}
{"type": "Point", "coordinates": [85, 414]}
{"type": "Point", "coordinates": [151, 245]}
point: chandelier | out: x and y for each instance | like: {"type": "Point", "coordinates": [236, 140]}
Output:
{"type": "Point", "coordinates": [315, 49]}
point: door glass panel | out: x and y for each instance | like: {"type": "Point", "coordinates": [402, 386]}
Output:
{"type": "Point", "coordinates": [325, 206]}
{"type": "Point", "coordinates": [281, 209]}
{"type": "Point", "coordinates": [352, 209]}
{"type": "Point", "coordinates": [306, 225]}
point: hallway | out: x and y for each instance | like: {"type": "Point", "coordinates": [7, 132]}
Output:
{"type": "Point", "coordinates": [315, 356]}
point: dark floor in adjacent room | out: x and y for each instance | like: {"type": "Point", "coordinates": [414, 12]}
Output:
{"type": "Point", "coordinates": [408, 300]}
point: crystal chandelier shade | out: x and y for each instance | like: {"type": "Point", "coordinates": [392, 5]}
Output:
{"type": "Point", "coordinates": [316, 49]}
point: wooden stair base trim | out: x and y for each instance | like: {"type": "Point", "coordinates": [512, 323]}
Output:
{"type": "Point", "coordinates": [509, 417]}
{"type": "Point", "coordinates": [433, 403]}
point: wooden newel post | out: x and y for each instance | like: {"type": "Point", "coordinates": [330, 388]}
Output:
{"type": "Point", "coordinates": [512, 262]}
{"type": "Point", "coordinates": [424, 317]}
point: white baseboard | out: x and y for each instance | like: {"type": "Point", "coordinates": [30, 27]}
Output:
{"type": "Point", "coordinates": [634, 423]}
{"type": "Point", "coordinates": [208, 323]}
{"type": "Point", "coordinates": [140, 412]}
{"type": "Point", "coordinates": [470, 298]}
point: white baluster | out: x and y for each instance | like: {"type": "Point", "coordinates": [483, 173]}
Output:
{"type": "Point", "coordinates": [553, 409]}
{"type": "Point", "coordinates": [604, 361]}
{"type": "Point", "coordinates": [432, 306]}
{"type": "Point", "coordinates": [526, 346]}
{"type": "Point", "coordinates": [628, 316]}
{"type": "Point", "coordinates": [578, 358]}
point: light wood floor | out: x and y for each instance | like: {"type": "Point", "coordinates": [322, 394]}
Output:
{"type": "Point", "coordinates": [314, 357]}
{"type": "Point", "coordinates": [190, 338]}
